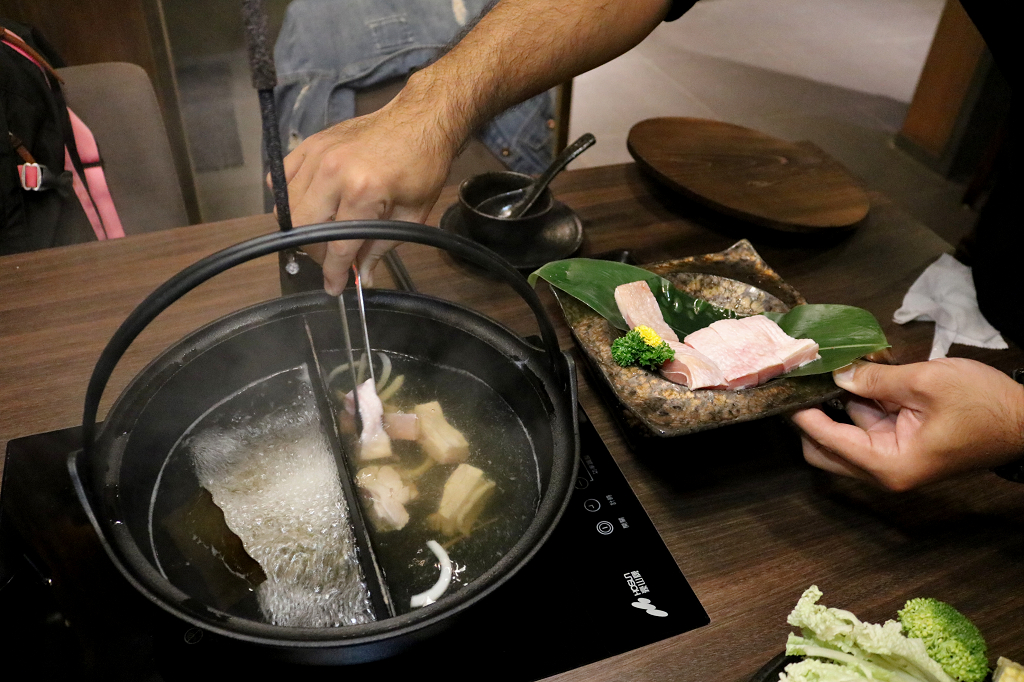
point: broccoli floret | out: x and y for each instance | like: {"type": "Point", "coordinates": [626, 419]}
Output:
{"type": "Point", "coordinates": [643, 347]}
{"type": "Point", "coordinates": [950, 638]}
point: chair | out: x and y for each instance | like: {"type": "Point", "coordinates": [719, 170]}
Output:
{"type": "Point", "coordinates": [116, 100]}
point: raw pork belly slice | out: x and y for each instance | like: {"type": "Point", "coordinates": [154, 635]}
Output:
{"type": "Point", "coordinates": [751, 350]}
{"type": "Point", "coordinates": [638, 306]}
{"type": "Point", "coordinates": [748, 337]}
{"type": "Point", "coordinates": [740, 366]}
{"type": "Point", "coordinates": [692, 368]}
{"type": "Point", "coordinates": [793, 352]}
{"type": "Point", "coordinates": [734, 354]}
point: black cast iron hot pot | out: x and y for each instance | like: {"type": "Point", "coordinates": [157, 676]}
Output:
{"type": "Point", "coordinates": [116, 474]}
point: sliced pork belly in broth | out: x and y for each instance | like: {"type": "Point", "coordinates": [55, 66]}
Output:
{"type": "Point", "coordinates": [402, 426]}
{"type": "Point", "coordinates": [388, 495]}
{"type": "Point", "coordinates": [374, 442]}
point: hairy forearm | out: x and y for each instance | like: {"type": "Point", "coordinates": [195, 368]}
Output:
{"type": "Point", "coordinates": [521, 48]}
{"type": "Point", "coordinates": [392, 163]}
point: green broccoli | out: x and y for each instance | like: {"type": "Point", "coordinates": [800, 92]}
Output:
{"type": "Point", "coordinates": [641, 346]}
{"type": "Point", "coordinates": [950, 638]}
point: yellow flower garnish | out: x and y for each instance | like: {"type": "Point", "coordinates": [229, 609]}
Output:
{"type": "Point", "coordinates": [649, 336]}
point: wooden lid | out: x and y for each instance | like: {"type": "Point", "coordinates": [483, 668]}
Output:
{"type": "Point", "coordinates": [791, 186]}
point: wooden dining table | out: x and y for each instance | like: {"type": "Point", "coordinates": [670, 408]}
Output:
{"type": "Point", "coordinates": [750, 524]}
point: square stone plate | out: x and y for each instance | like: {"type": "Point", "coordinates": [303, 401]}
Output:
{"type": "Point", "coordinates": [736, 278]}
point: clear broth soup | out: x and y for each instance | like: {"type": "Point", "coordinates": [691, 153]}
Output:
{"type": "Point", "coordinates": [499, 445]}
{"type": "Point", "coordinates": [249, 516]}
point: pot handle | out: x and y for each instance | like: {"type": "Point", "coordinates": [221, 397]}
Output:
{"type": "Point", "coordinates": [392, 230]}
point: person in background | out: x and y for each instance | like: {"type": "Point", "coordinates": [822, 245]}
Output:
{"type": "Point", "coordinates": [912, 424]}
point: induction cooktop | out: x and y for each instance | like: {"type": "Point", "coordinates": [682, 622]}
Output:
{"type": "Point", "coordinates": [603, 584]}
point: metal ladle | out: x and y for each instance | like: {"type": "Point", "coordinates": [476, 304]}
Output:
{"type": "Point", "coordinates": [506, 206]}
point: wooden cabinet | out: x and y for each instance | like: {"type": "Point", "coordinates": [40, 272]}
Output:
{"type": "Point", "coordinates": [957, 116]}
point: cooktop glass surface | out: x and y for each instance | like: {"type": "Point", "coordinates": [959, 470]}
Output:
{"type": "Point", "coordinates": [604, 583]}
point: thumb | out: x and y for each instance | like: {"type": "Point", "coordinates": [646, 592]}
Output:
{"type": "Point", "coordinates": [888, 383]}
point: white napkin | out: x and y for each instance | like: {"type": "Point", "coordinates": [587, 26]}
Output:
{"type": "Point", "coordinates": [944, 294]}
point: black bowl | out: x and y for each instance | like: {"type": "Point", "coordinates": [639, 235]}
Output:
{"type": "Point", "coordinates": [482, 196]}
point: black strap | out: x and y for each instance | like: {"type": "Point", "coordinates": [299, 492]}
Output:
{"type": "Point", "coordinates": [264, 79]}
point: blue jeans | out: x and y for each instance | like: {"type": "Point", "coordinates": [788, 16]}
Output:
{"type": "Point", "coordinates": [330, 49]}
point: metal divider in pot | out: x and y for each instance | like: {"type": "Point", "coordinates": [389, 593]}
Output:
{"type": "Point", "coordinates": [145, 480]}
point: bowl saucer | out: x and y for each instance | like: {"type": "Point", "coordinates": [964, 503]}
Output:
{"type": "Point", "coordinates": [559, 238]}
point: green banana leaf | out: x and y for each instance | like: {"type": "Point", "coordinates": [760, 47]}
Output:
{"type": "Point", "coordinates": [843, 333]}
{"type": "Point", "coordinates": [594, 281]}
